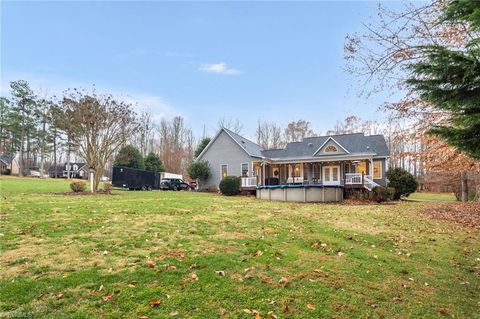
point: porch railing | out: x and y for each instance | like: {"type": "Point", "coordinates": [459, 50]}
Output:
{"type": "Point", "coordinates": [249, 181]}
{"type": "Point", "coordinates": [359, 178]}
{"type": "Point", "coordinates": [353, 178]}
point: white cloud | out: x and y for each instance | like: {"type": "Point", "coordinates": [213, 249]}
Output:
{"type": "Point", "coordinates": [220, 68]}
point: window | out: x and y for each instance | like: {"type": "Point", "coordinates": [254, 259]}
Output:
{"type": "Point", "coordinates": [361, 167]}
{"type": "Point", "coordinates": [335, 174]}
{"type": "Point", "coordinates": [330, 149]}
{"type": "Point", "coordinates": [377, 170]}
{"type": "Point", "coordinates": [224, 170]}
{"type": "Point", "coordinates": [245, 170]}
{"type": "Point", "coordinates": [326, 174]}
{"type": "Point", "coordinates": [297, 170]}
{"type": "Point", "coordinates": [75, 167]}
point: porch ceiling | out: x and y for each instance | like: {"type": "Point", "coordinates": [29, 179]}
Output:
{"type": "Point", "coordinates": [329, 158]}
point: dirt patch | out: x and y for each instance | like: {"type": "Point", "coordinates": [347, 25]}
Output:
{"type": "Point", "coordinates": [466, 214]}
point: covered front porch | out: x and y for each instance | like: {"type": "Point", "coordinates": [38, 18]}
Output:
{"type": "Point", "coordinates": [313, 181]}
{"type": "Point", "coordinates": [351, 173]}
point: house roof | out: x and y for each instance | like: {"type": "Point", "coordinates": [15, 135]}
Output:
{"type": "Point", "coordinates": [253, 149]}
{"type": "Point", "coordinates": [353, 144]}
{"type": "Point", "coordinates": [248, 146]}
{"type": "Point", "coordinates": [7, 159]}
{"type": "Point", "coordinates": [63, 167]}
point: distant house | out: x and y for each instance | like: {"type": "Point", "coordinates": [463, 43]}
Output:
{"type": "Point", "coordinates": [77, 170]}
{"type": "Point", "coordinates": [321, 168]}
{"type": "Point", "coordinates": [9, 165]}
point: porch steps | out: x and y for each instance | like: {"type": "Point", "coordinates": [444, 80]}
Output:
{"type": "Point", "coordinates": [368, 183]}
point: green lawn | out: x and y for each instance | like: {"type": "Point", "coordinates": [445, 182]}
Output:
{"type": "Point", "coordinates": [197, 255]}
{"type": "Point", "coordinates": [442, 197]}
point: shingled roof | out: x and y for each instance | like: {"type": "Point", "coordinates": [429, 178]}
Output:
{"type": "Point", "coordinates": [253, 149]}
{"type": "Point", "coordinates": [355, 144]}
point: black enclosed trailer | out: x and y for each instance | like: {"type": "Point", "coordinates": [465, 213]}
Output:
{"type": "Point", "coordinates": [135, 179]}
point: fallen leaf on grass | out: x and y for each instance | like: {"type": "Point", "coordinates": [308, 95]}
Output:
{"type": "Point", "coordinates": [150, 264]}
{"type": "Point", "coordinates": [283, 281]}
{"type": "Point", "coordinates": [154, 303]}
{"type": "Point", "coordinates": [257, 316]}
{"type": "Point", "coordinates": [174, 313]}
{"type": "Point", "coordinates": [249, 269]}
{"type": "Point", "coordinates": [143, 317]}
{"type": "Point", "coordinates": [271, 314]}
{"type": "Point", "coordinates": [311, 306]}
{"type": "Point", "coordinates": [170, 267]}
{"type": "Point", "coordinates": [257, 253]}
{"type": "Point", "coordinates": [193, 276]}
{"type": "Point", "coordinates": [247, 311]}
{"type": "Point", "coordinates": [59, 296]}
{"type": "Point", "coordinates": [108, 296]}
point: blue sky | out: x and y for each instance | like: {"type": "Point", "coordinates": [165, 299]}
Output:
{"type": "Point", "coordinates": [203, 60]}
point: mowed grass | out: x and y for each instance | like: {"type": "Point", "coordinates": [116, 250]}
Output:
{"type": "Point", "coordinates": [207, 256]}
{"type": "Point", "coordinates": [443, 197]}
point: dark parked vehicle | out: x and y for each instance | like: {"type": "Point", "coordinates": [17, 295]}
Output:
{"type": "Point", "coordinates": [174, 184]}
{"type": "Point", "coordinates": [135, 179]}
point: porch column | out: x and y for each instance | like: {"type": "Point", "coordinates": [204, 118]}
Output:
{"type": "Point", "coordinates": [371, 168]}
{"type": "Point", "coordinates": [263, 174]}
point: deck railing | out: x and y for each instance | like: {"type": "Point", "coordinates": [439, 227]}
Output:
{"type": "Point", "coordinates": [353, 178]}
{"type": "Point", "coordinates": [359, 178]}
{"type": "Point", "coordinates": [249, 181]}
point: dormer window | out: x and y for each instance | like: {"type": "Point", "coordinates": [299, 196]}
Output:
{"type": "Point", "coordinates": [75, 167]}
{"type": "Point", "coordinates": [330, 149]}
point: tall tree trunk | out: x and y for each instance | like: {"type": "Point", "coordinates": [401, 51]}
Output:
{"type": "Point", "coordinates": [463, 180]}
{"type": "Point", "coordinates": [68, 157]}
{"type": "Point", "coordinates": [28, 154]}
{"type": "Point", "coordinates": [55, 152]}
{"type": "Point", "coordinates": [42, 149]}
{"type": "Point", "coordinates": [21, 163]}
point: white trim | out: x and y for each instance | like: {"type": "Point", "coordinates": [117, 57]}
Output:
{"type": "Point", "coordinates": [208, 145]}
{"type": "Point", "coordinates": [319, 159]}
{"type": "Point", "coordinates": [328, 139]}
{"type": "Point", "coordinates": [331, 182]}
{"type": "Point", "coordinates": [221, 172]}
{"type": "Point", "coordinates": [241, 170]}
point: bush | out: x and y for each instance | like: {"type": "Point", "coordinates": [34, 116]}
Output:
{"type": "Point", "coordinates": [153, 163]}
{"type": "Point", "coordinates": [129, 156]}
{"type": "Point", "coordinates": [402, 181]}
{"type": "Point", "coordinates": [78, 187]}
{"type": "Point", "coordinates": [383, 194]}
{"type": "Point", "coordinates": [230, 185]}
{"type": "Point", "coordinates": [107, 187]}
{"type": "Point", "coordinates": [199, 170]}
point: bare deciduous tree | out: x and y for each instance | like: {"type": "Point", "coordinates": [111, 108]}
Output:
{"type": "Point", "coordinates": [269, 135]}
{"type": "Point", "coordinates": [231, 124]}
{"type": "Point", "coordinates": [100, 123]}
{"type": "Point", "coordinates": [297, 130]}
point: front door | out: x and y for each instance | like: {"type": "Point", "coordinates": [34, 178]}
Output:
{"type": "Point", "coordinates": [331, 175]}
